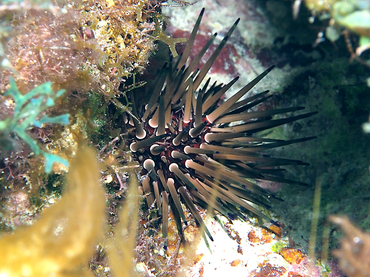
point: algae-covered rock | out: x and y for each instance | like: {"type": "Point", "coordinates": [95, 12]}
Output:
{"type": "Point", "coordinates": [61, 242]}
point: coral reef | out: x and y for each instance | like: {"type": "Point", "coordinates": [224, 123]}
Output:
{"type": "Point", "coordinates": [90, 48]}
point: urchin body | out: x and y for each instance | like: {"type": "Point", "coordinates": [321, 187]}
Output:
{"type": "Point", "coordinates": [196, 149]}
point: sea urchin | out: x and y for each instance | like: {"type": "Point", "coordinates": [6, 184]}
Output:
{"type": "Point", "coordinates": [194, 147]}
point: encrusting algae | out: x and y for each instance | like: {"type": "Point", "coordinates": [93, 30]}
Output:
{"type": "Point", "coordinates": [61, 242]}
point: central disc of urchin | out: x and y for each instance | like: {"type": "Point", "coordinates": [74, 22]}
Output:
{"type": "Point", "coordinates": [196, 150]}
{"type": "Point", "coordinates": [179, 141]}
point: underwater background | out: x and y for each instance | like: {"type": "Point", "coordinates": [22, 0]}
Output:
{"type": "Point", "coordinates": [67, 71]}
